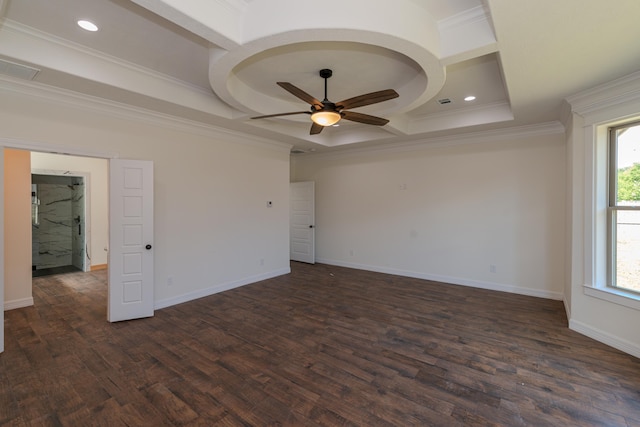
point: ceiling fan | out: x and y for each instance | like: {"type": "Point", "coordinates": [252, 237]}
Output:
{"type": "Point", "coordinates": [327, 113]}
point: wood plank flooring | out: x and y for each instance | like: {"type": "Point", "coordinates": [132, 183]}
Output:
{"type": "Point", "coordinates": [323, 346]}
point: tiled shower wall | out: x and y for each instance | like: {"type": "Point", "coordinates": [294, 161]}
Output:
{"type": "Point", "coordinates": [58, 238]}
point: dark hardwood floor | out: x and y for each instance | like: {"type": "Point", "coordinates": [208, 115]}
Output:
{"type": "Point", "coordinates": [323, 346]}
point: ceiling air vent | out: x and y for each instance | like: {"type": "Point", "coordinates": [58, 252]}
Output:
{"type": "Point", "coordinates": [444, 101]}
{"type": "Point", "coordinates": [297, 151]}
{"type": "Point", "coordinates": [17, 70]}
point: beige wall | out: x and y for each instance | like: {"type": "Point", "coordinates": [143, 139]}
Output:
{"type": "Point", "coordinates": [17, 229]}
{"type": "Point", "coordinates": [447, 213]}
{"type": "Point", "coordinates": [97, 170]}
{"type": "Point", "coordinates": [213, 229]}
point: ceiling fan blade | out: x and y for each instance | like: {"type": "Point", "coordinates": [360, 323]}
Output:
{"type": "Point", "coordinates": [281, 114]}
{"type": "Point", "coordinates": [367, 99]}
{"type": "Point", "coordinates": [299, 93]}
{"type": "Point", "coordinates": [364, 118]}
{"type": "Point", "coordinates": [315, 129]}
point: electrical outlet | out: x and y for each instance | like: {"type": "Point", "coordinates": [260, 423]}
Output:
{"type": "Point", "coordinates": [170, 281]}
{"type": "Point", "coordinates": [492, 268]}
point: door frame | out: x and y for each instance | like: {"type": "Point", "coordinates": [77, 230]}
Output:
{"type": "Point", "coordinates": [45, 148]}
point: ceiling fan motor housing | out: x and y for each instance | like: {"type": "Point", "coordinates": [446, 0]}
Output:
{"type": "Point", "coordinates": [325, 73]}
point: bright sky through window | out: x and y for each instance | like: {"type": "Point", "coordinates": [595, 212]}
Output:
{"type": "Point", "coordinates": [629, 147]}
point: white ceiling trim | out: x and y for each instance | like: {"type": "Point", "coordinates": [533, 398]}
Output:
{"type": "Point", "coordinates": [513, 134]}
{"type": "Point", "coordinates": [56, 148]}
{"type": "Point", "coordinates": [136, 114]}
{"type": "Point", "coordinates": [201, 17]}
{"type": "Point", "coordinates": [590, 102]}
{"type": "Point", "coordinates": [466, 35]}
{"type": "Point", "coordinates": [33, 46]}
{"type": "Point", "coordinates": [223, 81]}
{"type": "Point", "coordinates": [464, 117]}
{"type": "Point", "coordinates": [36, 34]}
{"type": "Point", "coordinates": [463, 19]}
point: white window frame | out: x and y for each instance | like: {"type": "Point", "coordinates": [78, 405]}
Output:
{"type": "Point", "coordinates": [594, 111]}
{"type": "Point", "coordinates": [597, 215]}
{"type": "Point", "coordinates": [613, 206]}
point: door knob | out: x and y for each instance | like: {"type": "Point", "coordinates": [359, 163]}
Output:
{"type": "Point", "coordinates": [311, 226]}
{"type": "Point", "coordinates": [147, 247]}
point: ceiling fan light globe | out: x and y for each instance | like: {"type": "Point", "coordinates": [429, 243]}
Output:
{"type": "Point", "coordinates": [326, 118]}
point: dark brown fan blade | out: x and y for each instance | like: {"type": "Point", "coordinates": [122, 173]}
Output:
{"type": "Point", "coordinates": [368, 99]}
{"type": "Point", "coordinates": [315, 129]}
{"type": "Point", "coordinates": [281, 114]}
{"type": "Point", "coordinates": [299, 93]}
{"type": "Point", "coordinates": [364, 118]}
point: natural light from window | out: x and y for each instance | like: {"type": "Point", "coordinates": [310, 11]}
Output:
{"type": "Point", "coordinates": [625, 208]}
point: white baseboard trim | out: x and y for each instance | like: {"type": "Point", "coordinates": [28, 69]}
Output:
{"type": "Point", "coordinates": [605, 338]}
{"type": "Point", "coordinates": [201, 293]}
{"type": "Point", "coordinates": [450, 280]}
{"type": "Point", "coordinates": [18, 303]}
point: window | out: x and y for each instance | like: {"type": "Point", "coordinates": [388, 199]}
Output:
{"type": "Point", "coordinates": [623, 213]}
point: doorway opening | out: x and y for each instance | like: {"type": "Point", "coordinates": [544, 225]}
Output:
{"type": "Point", "coordinates": [59, 217]}
{"type": "Point", "coordinates": [128, 235]}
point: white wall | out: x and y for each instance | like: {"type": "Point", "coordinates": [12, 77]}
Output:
{"type": "Point", "coordinates": [213, 230]}
{"type": "Point", "coordinates": [447, 213]}
{"type": "Point", "coordinates": [97, 169]}
{"type": "Point", "coordinates": [17, 230]}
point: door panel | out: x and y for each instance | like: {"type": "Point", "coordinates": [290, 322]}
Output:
{"type": "Point", "coordinates": [131, 240]}
{"type": "Point", "coordinates": [302, 221]}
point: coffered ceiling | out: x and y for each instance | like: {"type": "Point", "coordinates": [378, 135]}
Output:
{"type": "Point", "coordinates": [217, 61]}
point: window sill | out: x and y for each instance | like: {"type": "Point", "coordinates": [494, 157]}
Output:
{"type": "Point", "coordinates": [616, 296]}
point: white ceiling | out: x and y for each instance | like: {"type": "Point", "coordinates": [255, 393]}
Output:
{"type": "Point", "coordinates": [218, 61]}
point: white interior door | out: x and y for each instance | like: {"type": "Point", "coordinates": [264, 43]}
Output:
{"type": "Point", "coordinates": [302, 222]}
{"type": "Point", "coordinates": [130, 240]}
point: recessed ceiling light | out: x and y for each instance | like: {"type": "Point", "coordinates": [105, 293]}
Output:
{"type": "Point", "coordinates": [470, 98]}
{"type": "Point", "coordinates": [87, 25]}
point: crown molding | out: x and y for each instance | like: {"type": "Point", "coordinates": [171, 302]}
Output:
{"type": "Point", "coordinates": [105, 70]}
{"type": "Point", "coordinates": [229, 13]}
{"type": "Point", "coordinates": [620, 91]}
{"type": "Point", "coordinates": [466, 35]}
{"type": "Point", "coordinates": [519, 132]}
{"type": "Point", "coordinates": [469, 16]}
{"type": "Point", "coordinates": [457, 113]}
{"type": "Point", "coordinates": [238, 5]}
{"type": "Point", "coordinates": [16, 27]}
{"type": "Point", "coordinates": [127, 112]}
{"type": "Point", "coordinates": [23, 144]}
{"type": "Point", "coordinates": [468, 116]}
